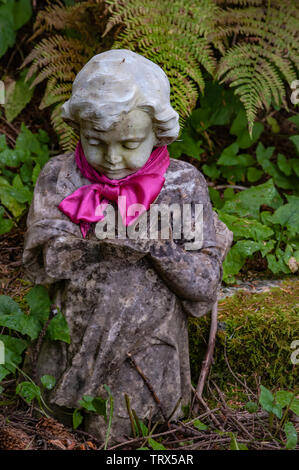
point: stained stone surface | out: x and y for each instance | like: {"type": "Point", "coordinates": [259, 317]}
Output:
{"type": "Point", "coordinates": [120, 297]}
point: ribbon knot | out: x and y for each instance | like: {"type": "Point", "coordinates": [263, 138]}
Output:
{"type": "Point", "coordinates": [141, 187]}
{"type": "Point", "coordinates": [110, 192]}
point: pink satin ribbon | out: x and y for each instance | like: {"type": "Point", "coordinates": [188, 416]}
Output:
{"type": "Point", "coordinates": [85, 205]}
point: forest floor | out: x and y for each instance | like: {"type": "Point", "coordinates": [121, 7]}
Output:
{"type": "Point", "coordinates": [221, 419]}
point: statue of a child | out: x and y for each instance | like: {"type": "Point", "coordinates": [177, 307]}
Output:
{"type": "Point", "coordinates": [126, 300]}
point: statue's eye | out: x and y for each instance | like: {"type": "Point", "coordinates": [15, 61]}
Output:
{"type": "Point", "coordinates": [94, 142]}
{"type": "Point", "coordinates": [131, 145]}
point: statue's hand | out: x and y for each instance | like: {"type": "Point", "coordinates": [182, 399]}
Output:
{"type": "Point", "coordinates": [131, 246]}
{"type": "Point", "coordinates": [139, 245]}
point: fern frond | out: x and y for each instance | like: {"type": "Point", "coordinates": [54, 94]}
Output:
{"type": "Point", "coordinates": [259, 82]}
{"type": "Point", "coordinates": [174, 36]}
{"type": "Point", "coordinates": [257, 41]}
{"type": "Point", "coordinates": [264, 41]}
{"type": "Point", "coordinates": [70, 39]}
{"type": "Point", "coordinates": [67, 135]}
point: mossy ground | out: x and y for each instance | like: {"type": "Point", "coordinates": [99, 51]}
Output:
{"type": "Point", "coordinates": [256, 332]}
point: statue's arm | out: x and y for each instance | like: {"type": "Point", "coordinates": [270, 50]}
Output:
{"type": "Point", "coordinates": [53, 248]}
{"type": "Point", "coordinates": [68, 257]}
{"type": "Point", "coordinates": [192, 274]}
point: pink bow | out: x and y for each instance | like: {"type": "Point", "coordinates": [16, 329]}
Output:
{"type": "Point", "coordinates": [85, 205]}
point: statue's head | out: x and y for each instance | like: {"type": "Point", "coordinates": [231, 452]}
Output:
{"type": "Point", "coordinates": [120, 105]}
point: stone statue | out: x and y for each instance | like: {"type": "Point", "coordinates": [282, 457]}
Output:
{"type": "Point", "coordinates": [125, 299]}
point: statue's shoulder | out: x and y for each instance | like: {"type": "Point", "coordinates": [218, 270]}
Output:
{"type": "Point", "coordinates": [56, 163]}
{"type": "Point", "coordinates": [58, 174]}
{"type": "Point", "coordinates": [182, 174]}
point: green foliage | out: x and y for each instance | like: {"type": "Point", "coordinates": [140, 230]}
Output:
{"type": "Point", "coordinates": [253, 66]}
{"type": "Point", "coordinates": [257, 336]}
{"type": "Point", "coordinates": [58, 329]}
{"type": "Point", "coordinates": [263, 218]}
{"type": "Point", "coordinates": [174, 35]}
{"type": "Point", "coordinates": [255, 37]}
{"type": "Point", "coordinates": [71, 35]}
{"type": "Point", "coordinates": [268, 402]}
{"type": "Point", "coordinates": [101, 406]}
{"type": "Point", "coordinates": [251, 47]}
{"type": "Point", "coordinates": [97, 405]}
{"type": "Point", "coordinates": [14, 347]}
{"type": "Point", "coordinates": [13, 15]}
{"type": "Point", "coordinates": [29, 324]}
{"type": "Point", "coordinates": [251, 406]}
{"type": "Point", "coordinates": [19, 169]}
{"type": "Point", "coordinates": [218, 107]}
{"type": "Point", "coordinates": [12, 317]}
{"type": "Point", "coordinates": [268, 231]}
{"type": "Point", "coordinates": [200, 425]}
{"type": "Point", "coordinates": [155, 445]}
{"type": "Point", "coordinates": [29, 391]}
{"type": "Point", "coordinates": [48, 381]}
{"type": "Point", "coordinates": [18, 94]}
{"type": "Point", "coordinates": [235, 445]}
{"type": "Point", "coordinates": [275, 403]}
{"type": "Point", "coordinates": [5, 224]}
{"type": "Point", "coordinates": [279, 405]}
{"type": "Point", "coordinates": [291, 435]}
{"type": "Point", "coordinates": [77, 418]}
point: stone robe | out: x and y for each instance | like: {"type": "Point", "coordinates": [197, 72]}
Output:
{"type": "Point", "coordinates": [121, 297]}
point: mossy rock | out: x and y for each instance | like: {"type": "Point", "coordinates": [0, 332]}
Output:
{"type": "Point", "coordinates": [257, 331]}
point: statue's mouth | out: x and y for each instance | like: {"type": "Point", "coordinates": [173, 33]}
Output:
{"type": "Point", "coordinates": [113, 169]}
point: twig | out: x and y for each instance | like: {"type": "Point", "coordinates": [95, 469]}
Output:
{"type": "Point", "coordinates": [149, 386]}
{"type": "Point", "coordinates": [13, 278]}
{"type": "Point", "coordinates": [172, 431]}
{"type": "Point", "coordinates": [137, 422]}
{"type": "Point", "coordinates": [233, 186]}
{"type": "Point", "coordinates": [87, 434]}
{"type": "Point", "coordinates": [9, 137]}
{"type": "Point", "coordinates": [127, 400]}
{"type": "Point", "coordinates": [230, 415]}
{"type": "Point", "coordinates": [233, 374]}
{"type": "Point", "coordinates": [174, 409]}
{"type": "Point", "coordinates": [39, 342]}
{"type": "Point", "coordinates": [201, 400]}
{"type": "Point", "coordinates": [206, 363]}
{"type": "Point", "coordinates": [11, 126]}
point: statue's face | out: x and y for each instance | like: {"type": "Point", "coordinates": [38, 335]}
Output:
{"type": "Point", "coordinates": [123, 148]}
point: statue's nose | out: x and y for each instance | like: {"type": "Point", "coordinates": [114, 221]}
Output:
{"type": "Point", "coordinates": [112, 155]}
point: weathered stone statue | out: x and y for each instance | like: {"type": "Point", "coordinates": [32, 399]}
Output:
{"type": "Point", "coordinates": [124, 297]}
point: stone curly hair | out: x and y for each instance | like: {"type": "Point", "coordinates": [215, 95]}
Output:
{"type": "Point", "coordinates": [116, 82]}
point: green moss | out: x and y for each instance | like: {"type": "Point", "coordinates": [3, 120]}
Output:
{"type": "Point", "coordinates": [259, 329]}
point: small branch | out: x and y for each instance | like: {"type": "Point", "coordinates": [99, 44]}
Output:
{"type": "Point", "coordinates": [233, 374]}
{"type": "Point", "coordinates": [39, 342]}
{"type": "Point", "coordinates": [137, 422]}
{"type": "Point", "coordinates": [11, 126]}
{"type": "Point", "coordinates": [174, 409]}
{"type": "Point", "coordinates": [233, 186]}
{"type": "Point", "coordinates": [206, 363]}
{"type": "Point", "coordinates": [165, 433]}
{"type": "Point", "coordinates": [205, 405]}
{"type": "Point", "coordinates": [149, 386]}
{"type": "Point", "coordinates": [127, 400]}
